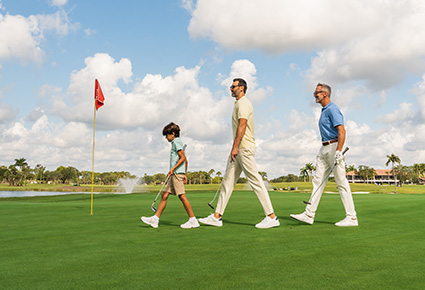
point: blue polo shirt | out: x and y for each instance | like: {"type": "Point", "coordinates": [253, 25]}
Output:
{"type": "Point", "coordinates": [330, 118]}
{"type": "Point", "coordinates": [176, 146]}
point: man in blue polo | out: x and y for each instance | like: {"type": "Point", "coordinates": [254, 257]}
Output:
{"type": "Point", "coordinates": [332, 131]}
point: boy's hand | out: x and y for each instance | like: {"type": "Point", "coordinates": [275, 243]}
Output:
{"type": "Point", "coordinates": [185, 179]}
{"type": "Point", "coordinates": [171, 172]}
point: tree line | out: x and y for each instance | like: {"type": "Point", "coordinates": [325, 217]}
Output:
{"type": "Point", "coordinates": [20, 173]}
{"type": "Point", "coordinates": [402, 173]}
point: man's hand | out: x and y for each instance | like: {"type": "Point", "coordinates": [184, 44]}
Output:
{"type": "Point", "coordinates": [339, 157]}
{"type": "Point", "coordinates": [234, 153]}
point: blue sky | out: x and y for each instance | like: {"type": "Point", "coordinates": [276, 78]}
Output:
{"type": "Point", "coordinates": [163, 61]}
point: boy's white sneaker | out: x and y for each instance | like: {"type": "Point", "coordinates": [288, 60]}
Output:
{"type": "Point", "coordinates": [267, 223]}
{"type": "Point", "coordinates": [348, 222]}
{"type": "Point", "coordinates": [211, 221]}
{"type": "Point", "coordinates": [303, 217]}
{"type": "Point", "coordinates": [150, 221]}
{"type": "Point", "coordinates": [190, 224]}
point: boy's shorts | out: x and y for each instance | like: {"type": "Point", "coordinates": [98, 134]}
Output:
{"type": "Point", "coordinates": [175, 185]}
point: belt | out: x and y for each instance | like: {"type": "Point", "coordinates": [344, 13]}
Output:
{"type": "Point", "coordinates": [329, 142]}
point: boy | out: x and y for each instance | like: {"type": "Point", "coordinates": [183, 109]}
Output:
{"type": "Point", "coordinates": [177, 178]}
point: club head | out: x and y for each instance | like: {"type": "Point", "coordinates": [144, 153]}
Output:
{"type": "Point", "coordinates": [210, 206]}
{"type": "Point", "coordinates": [153, 208]}
{"type": "Point", "coordinates": [306, 202]}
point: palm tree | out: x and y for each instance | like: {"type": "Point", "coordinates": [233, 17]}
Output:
{"type": "Point", "coordinates": [310, 168]}
{"type": "Point", "coordinates": [350, 168]}
{"type": "Point", "coordinates": [210, 173]}
{"type": "Point", "coordinates": [393, 159]}
{"type": "Point", "coordinates": [419, 169]}
{"type": "Point", "coordinates": [218, 173]}
{"type": "Point", "coordinates": [39, 171]}
{"type": "Point", "coordinates": [304, 172]}
{"type": "Point", "coordinates": [24, 169]}
{"type": "Point", "coordinates": [21, 162]}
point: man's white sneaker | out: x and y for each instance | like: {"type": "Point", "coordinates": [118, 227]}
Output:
{"type": "Point", "coordinates": [190, 224]}
{"type": "Point", "coordinates": [303, 217]}
{"type": "Point", "coordinates": [150, 221]}
{"type": "Point", "coordinates": [348, 222]}
{"type": "Point", "coordinates": [268, 222]}
{"type": "Point", "coordinates": [211, 221]}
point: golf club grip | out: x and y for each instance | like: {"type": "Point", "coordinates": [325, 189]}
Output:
{"type": "Point", "coordinates": [345, 150]}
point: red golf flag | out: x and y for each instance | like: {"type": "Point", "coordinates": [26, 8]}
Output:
{"type": "Point", "coordinates": [98, 95]}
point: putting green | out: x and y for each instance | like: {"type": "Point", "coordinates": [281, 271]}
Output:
{"type": "Point", "coordinates": [54, 243]}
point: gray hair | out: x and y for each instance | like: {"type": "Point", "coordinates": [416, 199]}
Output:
{"type": "Point", "coordinates": [326, 88]}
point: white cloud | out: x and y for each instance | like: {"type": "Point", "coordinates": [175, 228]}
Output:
{"type": "Point", "coordinates": [419, 90]}
{"type": "Point", "coordinates": [59, 3]}
{"type": "Point", "coordinates": [20, 37]}
{"type": "Point", "coordinates": [377, 49]}
{"type": "Point", "coordinates": [280, 25]}
{"type": "Point", "coordinates": [58, 22]}
{"type": "Point", "coordinates": [188, 5]}
{"type": "Point", "coordinates": [89, 32]}
{"type": "Point", "coordinates": [155, 100]}
{"type": "Point", "coordinates": [246, 70]}
{"type": "Point", "coordinates": [403, 113]}
{"type": "Point", "coordinates": [7, 113]}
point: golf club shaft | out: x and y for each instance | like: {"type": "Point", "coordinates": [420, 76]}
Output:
{"type": "Point", "coordinates": [325, 179]}
{"type": "Point", "coordinates": [221, 183]}
{"type": "Point", "coordinates": [160, 191]}
{"type": "Point", "coordinates": [210, 203]}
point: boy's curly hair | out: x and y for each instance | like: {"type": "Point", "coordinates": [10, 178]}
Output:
{"type": "Point", "coordinates": [170, 128]}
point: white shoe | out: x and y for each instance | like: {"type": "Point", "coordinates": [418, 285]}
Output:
{"type": "Point", "coordinates": [150, 221]}
{"type": "Point", "coordinates": [348, 222]}
{"type": "Point", "coordinates": [211, 221]}
{"type": "Point", "coordinates": [268, 222]}
{"type": "Point", "coordinates": [303, 217]}
{"type": "Point", "coordinates": [190, 224]}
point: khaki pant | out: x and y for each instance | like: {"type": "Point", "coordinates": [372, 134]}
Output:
{"type": "Point", "coordinates": [175, 185]}
{"type": "Point", "coordinates": [245, 161]}
{"type": "Point", "coordinates": [324, 162]}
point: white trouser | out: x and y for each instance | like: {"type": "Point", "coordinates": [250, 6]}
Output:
{"type": "Point", "coordinates": [245, 161]}
{"type": "Point", "coordinates": [324, 162]}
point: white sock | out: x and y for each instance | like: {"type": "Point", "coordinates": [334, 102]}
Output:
{"type": "Point", "coordinates": [192, 219]}
{"type": "Point", "coordinates": [155, 217]}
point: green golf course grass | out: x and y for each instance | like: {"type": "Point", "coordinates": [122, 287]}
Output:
{"type": "Point", "coordinates": [54, 243]}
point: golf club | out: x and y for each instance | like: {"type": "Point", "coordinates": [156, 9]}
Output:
{"type": "Point", "coordinates": [162, 187]}
{"type": "Point", "coordinates": [325, 179]}
{"type": "Point", "coordinates": [215, 194]}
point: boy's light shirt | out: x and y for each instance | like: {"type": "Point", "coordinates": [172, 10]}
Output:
{"type": "Point", "coordinates": [243, 109]}
{"type": "Point", "coordinates": [176, 145]}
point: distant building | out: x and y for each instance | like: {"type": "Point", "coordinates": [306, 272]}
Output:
{"type": "Point", "coordinates": [382, 176]}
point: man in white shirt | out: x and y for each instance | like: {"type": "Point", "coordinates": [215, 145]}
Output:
{"type": "Point", "coordinates": [242, 158]}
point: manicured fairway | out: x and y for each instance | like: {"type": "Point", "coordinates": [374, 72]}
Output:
{"type": "Point", "coordinates": [54, 243]}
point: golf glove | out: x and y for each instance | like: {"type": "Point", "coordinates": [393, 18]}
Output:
{"type": "Point", "coordinates": [338, 157]}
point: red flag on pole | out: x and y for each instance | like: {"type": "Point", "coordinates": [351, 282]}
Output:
{"type": "Point", "coordinates": [98, 95]}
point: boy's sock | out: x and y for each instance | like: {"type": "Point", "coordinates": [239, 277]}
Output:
{"type": "Point", "coordinates": [192, 219]}
{"type": "Point", "coordinates": [155, 217]}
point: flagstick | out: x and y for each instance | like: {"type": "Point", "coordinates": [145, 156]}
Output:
{"type": "Point", "coordinates": [92, 161]}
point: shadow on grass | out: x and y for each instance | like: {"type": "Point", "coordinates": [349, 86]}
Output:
{"type": "Point", "coordinates": [296, 222]}
{"type": "Point", "coordinates": [237, 223]}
